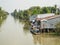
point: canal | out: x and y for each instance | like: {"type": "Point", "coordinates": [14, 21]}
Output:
{"type": "Point", "coordinates": [12, 33]}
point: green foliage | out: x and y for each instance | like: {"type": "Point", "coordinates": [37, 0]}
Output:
{"type": "Point", "coordinates": [2, 12]}
{"type": "Point", "coordinates": [3, 15]}
{"type": "Point", "coordinates": [20, 14]}
{"type": "Point", "coordinates": [45, 10]}
{"type": "Point", "coordinates": [35, 10]}
{"type": "Point", "coordinates": [14, 13]}
{"type": "Point", "coordinates": [0, 8]}
{"type": "Point", "coordinates": [25, 14]}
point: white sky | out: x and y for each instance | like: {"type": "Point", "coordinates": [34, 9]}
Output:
{"type": "Point", "coordinates": [10, 5]}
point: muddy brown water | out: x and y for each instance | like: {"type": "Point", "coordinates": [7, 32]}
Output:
{"type": "Point", "coordinates": [12, 33]}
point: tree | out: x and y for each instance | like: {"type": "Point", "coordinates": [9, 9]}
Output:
{"type": "Point", "coordinates": [3, 15]}
{"type": "Point", "coordinates": [55, 9]}
{"type": "Point", "coordinates": [15, 12]}
{"type": "Point", "coordinates": [20, 14]}
{"type": "Point", "coordinates": [0, 8]}
{"type": "Point", "coordinates": [34, 10]}
{"type": "Point", "coordinates": [26, 15]}
{"type": "Point", "coordinates": [2, 12]}
{"type": "Point", "coordinates": [46, 10]}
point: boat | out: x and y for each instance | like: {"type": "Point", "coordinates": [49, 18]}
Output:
{"type": "Point", "coordinates": [34, 30]}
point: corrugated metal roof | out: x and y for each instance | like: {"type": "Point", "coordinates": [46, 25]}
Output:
{"type": "Point", "coordinates": [33, 17]}
{"type": "Point", "coordinates": [49, 17]}
{"type": "Point", "coordinates": [45, 15]}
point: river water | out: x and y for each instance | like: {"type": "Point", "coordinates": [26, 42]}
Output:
{"type": "Point", "coordinates": [12, 33]}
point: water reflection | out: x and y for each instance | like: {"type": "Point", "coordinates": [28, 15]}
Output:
{"type": "Point", "coordinates": [26, 23]}
{"type": "Point", "coordinates": [2, 19]}
{"type": "Point", "coordinates": [44, 39]}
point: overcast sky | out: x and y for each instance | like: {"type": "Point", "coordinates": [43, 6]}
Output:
{"type": "Point", "coordinates": [10, 5]}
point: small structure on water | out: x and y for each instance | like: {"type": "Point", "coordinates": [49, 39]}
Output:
{"type": "Point", "coordinates": [45, 22]}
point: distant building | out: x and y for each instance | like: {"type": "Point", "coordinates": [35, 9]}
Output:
{"type": "Point", "coordinates": [49, 22]}
{"type": "Point", "coordinates": [33, 17]}
{"type": "Point", "coordinates": [46, 21]}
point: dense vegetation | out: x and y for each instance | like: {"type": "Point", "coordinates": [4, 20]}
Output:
{"type": "Point", "coordinates": [3, 15]}
{"type": "Point", "coordinates": [2, 12]}
{"type": "Point", "coordinates": [24, 14]}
